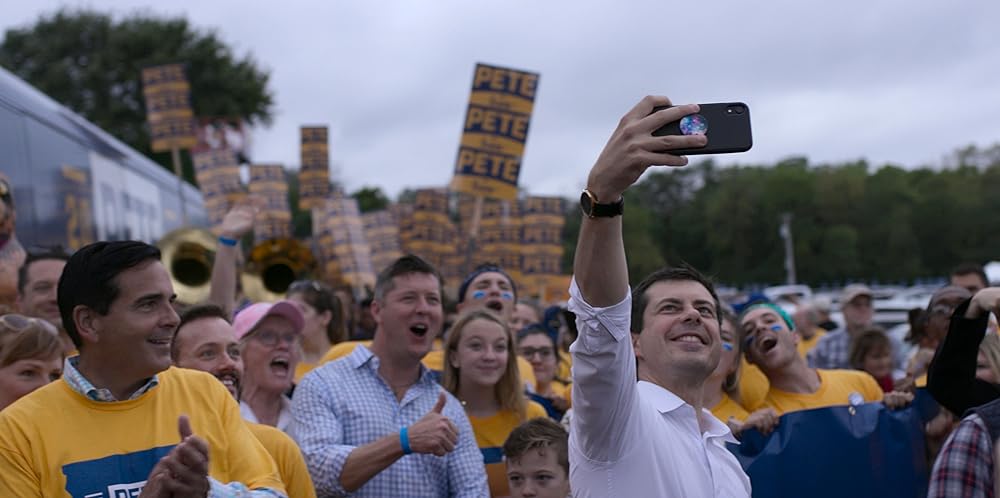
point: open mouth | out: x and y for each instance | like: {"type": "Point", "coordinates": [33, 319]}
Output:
{"type": "Point", "coordinates": [419, 329]}
{"type": "Point", "coordinates": [690, 338]}
{"type": "Point", "coordinates": [767, 344]}
{"type": "Point", "coordinates": [160, 341]}
{"type": "Point", "coordinates": [495, 306]}
{"type": "Point", "coordinates": [280, 366]}
{"type": "Point", "coordinates": [231, 381]}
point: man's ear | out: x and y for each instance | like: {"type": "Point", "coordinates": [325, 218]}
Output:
{"type": "Point", "coordinates": [87, 323]}
{"type": "Point", "coordinates": [635, 345]}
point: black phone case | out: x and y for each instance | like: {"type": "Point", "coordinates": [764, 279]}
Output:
{"type": "Point", "coordinates": [727, 131]}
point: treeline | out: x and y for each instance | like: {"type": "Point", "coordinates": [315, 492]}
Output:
{"type": "Point", "coordinates": [850, 221]}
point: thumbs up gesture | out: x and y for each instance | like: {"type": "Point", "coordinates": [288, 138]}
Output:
{"type": "Point", "coordinates": [184, 471]}
{"type": "Point", "coordinates": [434, 433]}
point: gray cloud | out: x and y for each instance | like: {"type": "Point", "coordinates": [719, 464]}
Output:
{"type": "Point", "coordinates": [890, 81]}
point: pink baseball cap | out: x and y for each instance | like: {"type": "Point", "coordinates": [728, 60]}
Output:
{"type": "Point", "coordinates": [248, 318]}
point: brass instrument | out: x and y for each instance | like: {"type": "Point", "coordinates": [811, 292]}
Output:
{"type": "Point", "coordinates": [272, 267]}
{"type": "Point", "coordinates": [188, 254]}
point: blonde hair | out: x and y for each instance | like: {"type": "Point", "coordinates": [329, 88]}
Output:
{"type": "Point", "coordinates": [23, 338]}
{"type": "Point", "coordinates": [507, 390]}
{"type": "Point", "coordinates": [990, 347]}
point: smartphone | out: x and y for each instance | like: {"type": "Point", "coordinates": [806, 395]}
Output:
{"type": "Point", "coordinates": [726, 124]}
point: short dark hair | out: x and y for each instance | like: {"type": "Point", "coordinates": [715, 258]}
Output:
{"type": "Point", "coordinates": [971, 268]}
{"type": "Point", "coordinates": [89, 278]}
{"type": "Point", "coordinates": [192, 313]}
{"type": "Point", "coordinates": [676, 273]}
{"type": "Point", "coordinates": [322, 298]}
{"type": "Point", "coordinates": [403, 266]}
{"type": "Point", "coordinates": [869, 340]}
{"type": "Point", "coordinates": [479, 270]}
{"type": "Point", "coordinates": [54, 253]}
{"type": "Point", "coordinates": [538, 433]}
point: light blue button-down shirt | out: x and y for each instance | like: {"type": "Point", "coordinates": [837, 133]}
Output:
{"type": "Point", "coordinates": [345, 404]}
{"type": "Point", "coordinates": [80, 384]}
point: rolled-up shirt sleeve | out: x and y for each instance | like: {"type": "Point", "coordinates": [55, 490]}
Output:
{"type": "Point", "coordinates": [604, 377]}
{"type": "Point", "coordinates": [317, 429]}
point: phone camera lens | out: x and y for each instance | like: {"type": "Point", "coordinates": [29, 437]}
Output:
{"type": "Point", "coordinates": [735, 109]}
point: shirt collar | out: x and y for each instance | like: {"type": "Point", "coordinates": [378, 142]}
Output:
{"type": "Point", "coordinates": [665, 402]}
{"type": "Point", "coordinates": [80, 384]}
{"type": "Point", "coordinates": [362, 356]}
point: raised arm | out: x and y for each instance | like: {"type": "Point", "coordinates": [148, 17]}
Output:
{"type": "Point", "coordinates": [951, 378]}
{"type": "Point", "coordinates": [603, 359]}
{"type": "Point", "coordinates": [599, 265]}
{"type": "Point", "coordinates": [237, 223]}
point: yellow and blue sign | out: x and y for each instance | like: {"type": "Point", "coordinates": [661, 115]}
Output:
{"type": "Point", "coordinates": [495, 131]}
{"type": "Point", "coordinates": [168, 108]}
{"type": "Point", "coordinates": [314, 172]}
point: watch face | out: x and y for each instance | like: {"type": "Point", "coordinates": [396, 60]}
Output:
{"type": "Point", "coordinates": [586, 203]}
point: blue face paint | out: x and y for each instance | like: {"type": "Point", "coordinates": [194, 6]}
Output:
{"type": "Point", "coordinates": [479, 294]}
{"type": "Point", "coordinates": [728, 346]}
{"type": "Point", "coordinates": [507, 296]}
{"type": "Point", "coordinates": [776, 328]}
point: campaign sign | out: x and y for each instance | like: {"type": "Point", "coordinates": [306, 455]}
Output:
{"type": "Point", "coordinates": [168, 108]}
{"type": "Point", "coordinates": [495, 130]}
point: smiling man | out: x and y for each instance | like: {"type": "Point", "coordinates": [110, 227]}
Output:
{"type": "Point", "coordinates": [652, 438]}
{"type": "Point", "coordinates": [773, 347]}
{"type": "Point", "coordinates": [121, 421]}
{"type": "Point", "coordinates": [376, 423]}
{"type": "Point", "coordinates": [36, 290]}
{"type": "Point", "coordinates": [206, 341]}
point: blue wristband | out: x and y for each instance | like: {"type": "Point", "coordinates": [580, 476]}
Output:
{"type": "Point", "coordinates": [404, 441]}
{"type": "Point", "coordinates": [226, 241]}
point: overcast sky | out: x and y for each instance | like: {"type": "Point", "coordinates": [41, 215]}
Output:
{"type": "Point", "coordinates": [897, 81]}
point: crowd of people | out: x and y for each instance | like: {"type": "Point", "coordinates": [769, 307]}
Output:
{"type": "Point", "coordinates": [109, 387]}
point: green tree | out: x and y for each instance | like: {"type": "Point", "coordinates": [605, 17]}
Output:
{"type": "Point", "coordinates": [371, 199]}
{"type": "Point", "coordinates": [92, 63]}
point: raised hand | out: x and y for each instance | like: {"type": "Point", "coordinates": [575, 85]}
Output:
{"type": "Point", "coordinates": [632, 148]}
{"type": "Point", "coordinates": [983, 302]}
{"type": "Point", "coordinates": [239, 220]}
{"type": "Point", "coordinates": [434, 433]}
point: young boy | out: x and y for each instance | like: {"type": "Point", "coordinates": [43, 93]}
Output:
{"type": "Point", "coordinates": [537, 457]}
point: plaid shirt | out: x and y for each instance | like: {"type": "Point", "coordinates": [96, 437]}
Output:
{"type": "Point", "coordinates": [833, 351]}
{"type": "Point", "coordinates": [80, 384]}
{"type": "Point", "coordinates": [345, 404]}
{"type": "Point", "coordinates": [964, 468]}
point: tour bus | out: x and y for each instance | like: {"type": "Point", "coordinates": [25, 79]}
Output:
{"type": "Point", "coordinates": [74, 184]}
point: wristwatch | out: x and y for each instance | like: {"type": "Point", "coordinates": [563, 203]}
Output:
{"type": "Point", "coordinates": [593, 208]}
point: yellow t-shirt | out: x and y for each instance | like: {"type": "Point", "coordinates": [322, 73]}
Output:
{"type": "Point", "coordinates": [564, 369]}
{"type": "Point", "coordinates": [302, 369]}
{"type": "Point", "coordinates": [56, 442]}
{"type": "Point", "coordinates": [288, 457]}
{"type": "Point", "coordinates": [342, 349]}
{"type": "Point", "coordinates": [753, 386]}
{"type": "Point", "coordinates": [727, 407]}
{"type": "Point", "coordinates": [491, 432]}
{"type": "Point", "coordinates": [807, 345]}
{"type": "Point", "coordinates": [835, 389]}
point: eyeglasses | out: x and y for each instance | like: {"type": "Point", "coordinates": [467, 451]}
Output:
{"type": "Point", "coordinates": [271, 338]}
{"type": "Point", "coordinates": [543, 352]}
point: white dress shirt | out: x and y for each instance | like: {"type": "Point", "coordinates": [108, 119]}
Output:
{"type": "Point", "coordinates": [633, 440]}
{"type": "Point", "coordinates": [284, 416]}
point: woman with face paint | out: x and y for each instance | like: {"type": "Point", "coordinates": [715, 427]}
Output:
{"type": "Point", "coordinates": [721, 391]}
